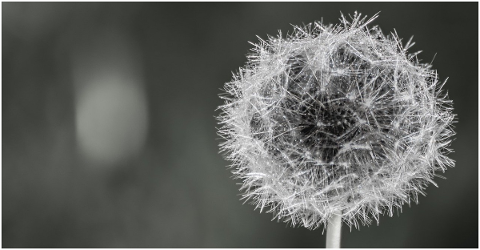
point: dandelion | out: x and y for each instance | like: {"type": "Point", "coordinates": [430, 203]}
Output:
{"type": "Point", "coordinates": [335, 123]}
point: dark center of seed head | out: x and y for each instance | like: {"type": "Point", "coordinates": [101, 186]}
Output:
{"type": "Point", "coordinates": [323, 120]}
{"type": "Point", "coordinates": [323, 117]}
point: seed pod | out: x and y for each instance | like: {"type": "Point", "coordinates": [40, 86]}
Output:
{"type": "Point", "coordinates": [335, 120]}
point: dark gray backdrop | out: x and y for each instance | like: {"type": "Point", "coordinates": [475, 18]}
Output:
{"type": "Point", "coordinates": [176, 191]}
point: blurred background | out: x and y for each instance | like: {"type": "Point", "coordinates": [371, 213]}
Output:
{"type": "Point", "coordinates": [109, 129]}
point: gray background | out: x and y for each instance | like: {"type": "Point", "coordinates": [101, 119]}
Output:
{"type": "Point", "coordinates": [173, 188]}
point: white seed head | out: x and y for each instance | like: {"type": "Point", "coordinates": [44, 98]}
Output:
{"type": "Point", "coordinates": [335, 120]}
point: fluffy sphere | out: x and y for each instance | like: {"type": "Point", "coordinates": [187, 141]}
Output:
{"type": "Point", "coordinates": [335, 120]}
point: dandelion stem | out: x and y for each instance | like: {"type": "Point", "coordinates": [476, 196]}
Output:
{"type": "Point", "coordinates": [334, 231]}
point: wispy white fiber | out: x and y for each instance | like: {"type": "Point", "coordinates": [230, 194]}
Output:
{"type": "Point", "coordinates": [336, 119]}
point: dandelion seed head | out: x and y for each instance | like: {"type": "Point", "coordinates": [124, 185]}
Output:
{"type": "Point", "coordinates": [335, 120]}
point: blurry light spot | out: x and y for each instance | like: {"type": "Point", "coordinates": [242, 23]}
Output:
{"type": "Point", "coordinates": [111, 120]}
{"type": "Point", "coordinates": [111, 106]}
